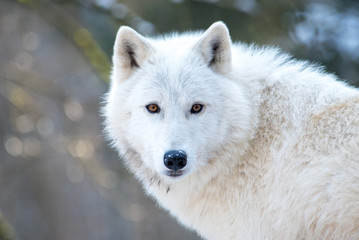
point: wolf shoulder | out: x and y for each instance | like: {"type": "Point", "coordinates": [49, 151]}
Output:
{"type": "Point", "coordinates": [334, 130]}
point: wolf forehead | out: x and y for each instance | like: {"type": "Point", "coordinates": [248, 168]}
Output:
{"type": "Point", "coordinates": [172, 63]}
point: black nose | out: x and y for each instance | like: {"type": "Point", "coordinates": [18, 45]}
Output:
{"type": "Point", "coordinates": [175, 159]}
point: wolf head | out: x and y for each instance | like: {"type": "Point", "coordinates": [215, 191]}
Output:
{"type": "Point", "coordinates": [173, 107]}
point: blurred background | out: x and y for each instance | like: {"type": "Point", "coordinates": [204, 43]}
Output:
{"type": "Point", "coordinates": [58, 178]}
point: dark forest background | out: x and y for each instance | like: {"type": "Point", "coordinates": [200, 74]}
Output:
{"type": "Point", "coordinates": [58, 178]}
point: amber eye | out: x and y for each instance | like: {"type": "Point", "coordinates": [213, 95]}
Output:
{"type": "Point", "coordinates": [153, 108]}
{"type": "Point", "coordinates": [196, 108]}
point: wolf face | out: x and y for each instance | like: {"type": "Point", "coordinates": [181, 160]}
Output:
{"type": "Point", "coordinates": [168, 99]}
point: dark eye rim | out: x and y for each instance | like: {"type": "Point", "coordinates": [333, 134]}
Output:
{"type": "Point", "coordinates": [158, 109]}
{"type": "Point", "coordinates": [198, 111]}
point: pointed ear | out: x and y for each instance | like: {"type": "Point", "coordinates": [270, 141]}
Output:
{"type": "Point", "coordinates": [215, 46]}
{"type": "Point", "coordinates": [130, 51]}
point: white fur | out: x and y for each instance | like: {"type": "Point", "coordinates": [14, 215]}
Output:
{"type": "Point", "coordinates": [274, 154]}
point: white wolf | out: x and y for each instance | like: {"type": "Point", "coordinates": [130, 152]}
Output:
{"type": "Point", "coordinates": [237, 142]}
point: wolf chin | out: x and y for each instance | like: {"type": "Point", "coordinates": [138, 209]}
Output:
{"type": "Point", "coordinates": [236, 141]}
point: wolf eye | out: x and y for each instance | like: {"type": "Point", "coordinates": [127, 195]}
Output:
{"type": "Point", "coordinates": [196, 108]}
{"type": "Point", "coordinates": [153, 108]}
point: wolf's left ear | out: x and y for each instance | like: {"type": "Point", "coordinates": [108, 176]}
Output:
{"type": "Point", "coordinates": [215, 46]}
{"type": "Point", "coordinates": [130, 51]}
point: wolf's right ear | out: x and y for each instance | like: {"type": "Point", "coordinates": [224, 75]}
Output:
{"type": "Point", "coordinates": [130, 51]}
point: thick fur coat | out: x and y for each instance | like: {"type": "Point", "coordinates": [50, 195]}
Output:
{"type": "Point", "coordinates": [273, 154]}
